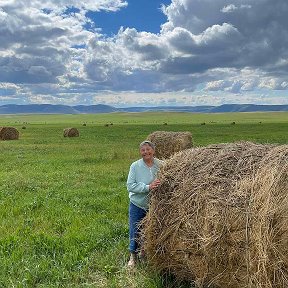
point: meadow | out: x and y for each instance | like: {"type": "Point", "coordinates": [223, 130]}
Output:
{"type": "Point", "coordinates": [63, 201]}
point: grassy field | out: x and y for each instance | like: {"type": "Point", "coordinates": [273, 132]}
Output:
{"type": "Point", "coordinates": [63, 201]}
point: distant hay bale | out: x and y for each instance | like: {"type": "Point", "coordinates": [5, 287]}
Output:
{"type": "Point", "coordinates": [70, 132]}
{"type": "Point", "coordinates": [9, 133]}
{"type": "Point", "coordinates": [220, 215]}
{"type": "Point", "coordinates": [168, 143]}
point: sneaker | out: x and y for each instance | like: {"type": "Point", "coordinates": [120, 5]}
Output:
{"type": "Point", "coordinates": [132, 261]}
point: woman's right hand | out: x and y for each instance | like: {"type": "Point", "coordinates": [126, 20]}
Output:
{"type": "Point", "coordinates": [154, 184]}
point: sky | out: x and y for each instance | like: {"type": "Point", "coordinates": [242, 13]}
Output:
{"type": "Point", "coordinates": [144, 52]}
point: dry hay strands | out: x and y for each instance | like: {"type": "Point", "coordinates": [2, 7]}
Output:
{"type": "Point", "coordinates": [70, 132]}
{"type": "Point", "coordinates": [9, 133]}
{"type": "Point", "coordinates": [220, 215]}
{"type": "Point", "coordinates": [168, 143]}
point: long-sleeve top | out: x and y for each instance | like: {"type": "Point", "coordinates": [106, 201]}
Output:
{"type": "Point", "coordinates": [139, 177]}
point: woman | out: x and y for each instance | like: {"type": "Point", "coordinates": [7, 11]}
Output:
{"type": "Point", "coordinates": [141, 179]}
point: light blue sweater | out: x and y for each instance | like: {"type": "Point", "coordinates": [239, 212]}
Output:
{"type": "Point", "coordinates": [139, 177]}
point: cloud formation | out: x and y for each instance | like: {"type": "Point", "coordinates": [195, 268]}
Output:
{"type": "Point", "coordinates": [54, 51]}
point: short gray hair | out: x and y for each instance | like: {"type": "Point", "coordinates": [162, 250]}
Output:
{"type": "Point", "coordinates": [146, 142]}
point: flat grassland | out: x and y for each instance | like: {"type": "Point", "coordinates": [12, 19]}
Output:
{"type": "Point", "coordinates": [63, 201]}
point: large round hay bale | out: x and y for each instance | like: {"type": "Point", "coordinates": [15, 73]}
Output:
{"type": "Point", "coordinates": [70, 132]}
{"type": "Point", "coordinates": [168, 143]}
{"type": "Point", "coordinates": [9, 133]}
{"type": "Point", "coordinates": [220, 216]}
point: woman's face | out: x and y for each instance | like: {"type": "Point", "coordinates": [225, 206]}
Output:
{"type": "Point", "coordinates": [147, 152]}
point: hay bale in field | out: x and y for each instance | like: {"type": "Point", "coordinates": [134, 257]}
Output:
{"type": "Point", "coordinates": [168, 143]}
{"type": "Point", "coordinates": [70, 132]}
{"type": "Point", "coordinates": [220, 215]}
{"type": "Point", "coordinates": [9, 133]}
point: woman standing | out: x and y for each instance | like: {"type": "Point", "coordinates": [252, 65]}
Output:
{"type": "Point", "coordinates": [141, 179]}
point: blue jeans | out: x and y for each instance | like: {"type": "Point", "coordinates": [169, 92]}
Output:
{"type": "Point", "coordinates": [136, 214]}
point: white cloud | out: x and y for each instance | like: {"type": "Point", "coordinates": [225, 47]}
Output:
{"type": "Point", "coordinates": [4, 85]}
{"type": "Point", "coordinates": [230, 8]}
{"type": "Point", "coordinates": [204, 47]}
{"type": "Point", "coordinates": [62, 5]}
{"type": "Point", "coordinates": [216, 85]}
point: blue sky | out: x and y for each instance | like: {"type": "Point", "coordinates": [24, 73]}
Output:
{"type": "Point", "coordinates": [142, 15]}
{"type": "Point", "coordinates": [143, 53]}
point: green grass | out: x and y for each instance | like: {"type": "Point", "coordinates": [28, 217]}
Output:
{"type": "Point", "coordinates": [63, 201]}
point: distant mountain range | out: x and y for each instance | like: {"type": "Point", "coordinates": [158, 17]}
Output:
{"type": "Point", "coordinates": [100, 108]}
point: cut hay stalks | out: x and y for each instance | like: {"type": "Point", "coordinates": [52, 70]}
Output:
{"type": "Point", "coordinates": [9, 133]}
{"type": "Point", "coordinates": [219, 217]}
{"type": "Point", "coordinates": [70, 132]}
{"type": "Point", "coordinates": [168, 143]}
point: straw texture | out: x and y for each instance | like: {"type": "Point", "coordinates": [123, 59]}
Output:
{"type": "Point", "coordinates": [168, 143]}
{"type": "Point", "coordinates": [9, 133]}
{"type": "Point", "coordinates": [220, 215]}
{"type": "Point", "coordinates": [70, 132]}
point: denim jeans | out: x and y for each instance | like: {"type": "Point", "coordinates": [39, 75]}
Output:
{"type": "Point", "coordinates": [136, 214]}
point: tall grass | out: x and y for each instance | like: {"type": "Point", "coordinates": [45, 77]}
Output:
{"type": "Point", "coordinates": [63, 201]}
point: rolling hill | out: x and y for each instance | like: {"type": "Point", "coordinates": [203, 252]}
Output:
{"type": "Point", "coordinates": [100, 108]}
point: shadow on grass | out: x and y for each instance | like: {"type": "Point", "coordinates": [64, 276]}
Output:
{"type": "Point", "coordinates": [170, 281]}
